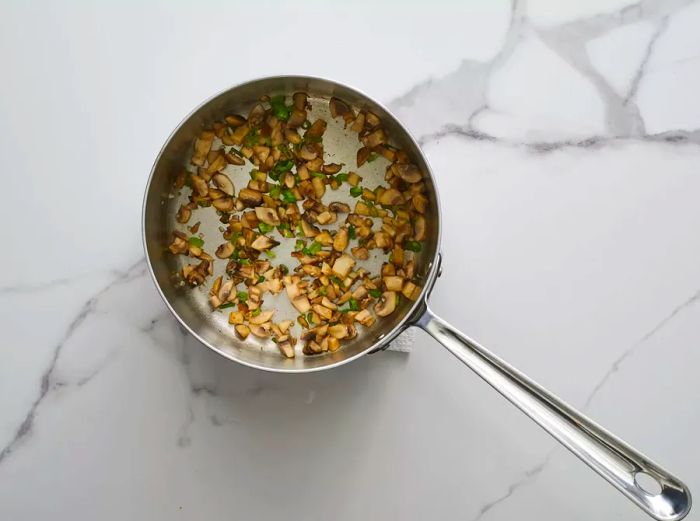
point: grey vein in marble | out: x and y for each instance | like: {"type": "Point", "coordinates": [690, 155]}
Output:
{"type": "Point", "coordinates": [467, 87]}
{"type": "Point", "coordinates": [86, 310]}
{"type": "Point", "coordinates": [639, 74]}
{"type": "Point", "coordinates": [531, 474]}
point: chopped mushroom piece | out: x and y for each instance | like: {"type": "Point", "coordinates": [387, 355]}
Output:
{"type": "Point", "coordinates": [183, 214]}
{"type": "Point", "coordinates": [225, 250]}
{"type": "Point", "coordinates": [339, 207]}
{"type": "Point", "coordinates": [391, 197]}
{"type": "Point", "coordinates": [374, 138]}
{"type": "Point", "coordinates": [365, 318]}
{"type": "Point", "coordinates": [250, 198]}
{"type": "Point", "coordinates": [199, 185]}
{"type": "Point", "coordinates": [301, 303]}
{"type": "Point", "coordinates": [338, 331]}
{"type": "Point", "coordinates": [235, 317]}
{"type": "Point", "coordinates": [408, 172]}
{"type": "Point", "coordinates": [263, 242]}
{"type": "Point", "coordinates": [362, 155]}
{"type": "Point", "coordinates": [340, 241]}
{"type": "Point", "coordinates": [338, 107]}
{"type": "Point", "coordinates": [410, 290]}
{"type": "Point", "coordinates": [286, 348]}
{"type": "Point", "coordinates": [267, 215]}
{"type": "Point", "coordinates": [259, 331]}
{"type": "Point", "coordinates": [223, 183]}
{"type": "Point", "coordinates": [386, 304]}
{"type": "Point", "coordinates": [343, 265]}
{"type": "Point", "coordinates": [419, 226]}
{"type": "Point", "coordinates": [224, 204]}
{"type": "Point", "coordinates": [360, 252]}
{"type": "Point", "coordinates": [372, 119]}
{"type": "Point", "coordinates": [262, 317]}
{"type": "Point", "coordinates": [242, 330]}
{"type": "Point", "coordinates": [202, 145]}
{"type": "Point", "coordinates": [393, 283]}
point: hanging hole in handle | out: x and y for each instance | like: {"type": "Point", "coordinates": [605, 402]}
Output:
{"type": "Point", "coordinates": [647, 483]}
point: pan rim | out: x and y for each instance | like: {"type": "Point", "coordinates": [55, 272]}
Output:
{"type": "Point", "coordinates": [406, 321]}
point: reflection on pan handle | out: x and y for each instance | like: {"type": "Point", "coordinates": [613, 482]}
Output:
{"type": "Point", "coordinates": [650, 487]}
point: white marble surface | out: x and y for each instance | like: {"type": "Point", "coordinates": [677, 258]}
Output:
{"type": "Point", "coordinates": [565, 137]}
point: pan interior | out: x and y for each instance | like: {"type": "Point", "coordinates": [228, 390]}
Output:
{"type": "Point", "coordinates": [191, 305]}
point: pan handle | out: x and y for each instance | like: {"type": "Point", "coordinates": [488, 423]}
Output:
{"type": "Point", "coordinates": [621, 465]}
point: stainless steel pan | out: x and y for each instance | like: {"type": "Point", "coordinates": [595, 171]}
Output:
{"type": "Point", "coordinates": [629, 471]}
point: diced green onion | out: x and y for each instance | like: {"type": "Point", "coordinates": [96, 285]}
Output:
{"type": "Point", "coordinates": [376, 293]}
{"type": "Point", "coordinates": [226, 305]}
{"type": "Point", "coordinates": [356, 191]}
{"type": "Point", "coordinates": [196, 241]}
{"type": "Point", "coordinates": [270, 253]}
{"type": "Point", "coordinates": [242, 296]}
{"type": "Point", "coordinates": [351, 232]}
{"type": "Point", "coordinates": [412, 246]}
{"type": "Point", "coordinates": [288, 196]}
{"type": "Point", "coordinates": [265, 228]}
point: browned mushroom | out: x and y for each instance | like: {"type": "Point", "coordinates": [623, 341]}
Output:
{"type": "Point", "coordinates": [286, 348]}
{"type": "Point", "coordinates": [202, 146]}
{"type": "Point", "coordinates": [375, 138]}
{"type": "Point", "coordinates": [250, 198]}
{"type": "Point", "coordinates": [316, 130]}
{"type": "Point", "coordinates": [419, 228]}
{"type": "Point", "coordinates": [372, 119]}
{"type": "Point", "coordinates": [393, 283]}
{"type": "Point", "coordinates": [391, 197]}
{"type": "Point", "coordinates": [308, 152]}
{"type": "Point", "coordinates": [183, 214]}
{"type": "Point", "coordinates": [263, 242]}
{"type": "Point", "coordinates": [256, 115]}
{"type": "Point", "coordinates": [267, 215]}
{"type": "Point", "coordinates": [365, 318]}
{"type": "Point", "coordinates": [331, 168]}
{"type": "Point", "coordinates": [235, 120]}
{"type": "Point", "coordinates": [419, 202]}
{"type": "Point", "coordinates": [408, 172]}
{"type": "Point", "coordinates": [225, 250]}
{"type": "Point", "coordinates": [199, 185]}
{"type": "Point", "coordinates": [410, 290]}
{"type": "Point", "coordinates": [301, 303]}
{"type": "Point", "coordinates": [178, 245]}
{"type": "Point", "coordinates": [297, 118]}
{"type": "Point", "coordinates": [338, 331]}
{"type": "Point", "coordinates": [343, 265]}
{"type": "Point", "coordinates": [243, 331]}
{"type": "Point", "coordinates": [262, 317]}
{"type": "Point", "coordinates": [223, 183]}
{"type": "Point", "coordinates": [338, 207]}
{"type": "Point", "coordinates": [360, 252]}
{"type": "Point", "coordinates": [309, 229]}
{"type": "Point", "coordinates": [359, 123]}
{"type": "Point", "coordinates": [224, 204]}
{"type": "Point", "coordinates": [235, 317]}
{"type": "Point", "coordinates": [338, 107]}
{"type": "Point", "coordinates": [299, 100]}
{"type": "Point", "coordinates": [386, 304]}
{"type": "Point", "coordinates": [340, 241]}
{"type": "Point", "coordinates": [362, 155]}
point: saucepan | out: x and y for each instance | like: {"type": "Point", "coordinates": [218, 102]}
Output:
{"type": "Point", "coordinates": [653, 489]}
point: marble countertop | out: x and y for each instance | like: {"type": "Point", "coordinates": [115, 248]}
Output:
{"type": "Point", "coordinates": [565, 138]}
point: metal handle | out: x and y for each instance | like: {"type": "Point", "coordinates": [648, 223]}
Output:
{"type": "Point", "coordinates": [606, 454]}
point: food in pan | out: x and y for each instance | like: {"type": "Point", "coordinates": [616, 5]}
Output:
{"type": "Point", "coordinates": [291, 201]}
